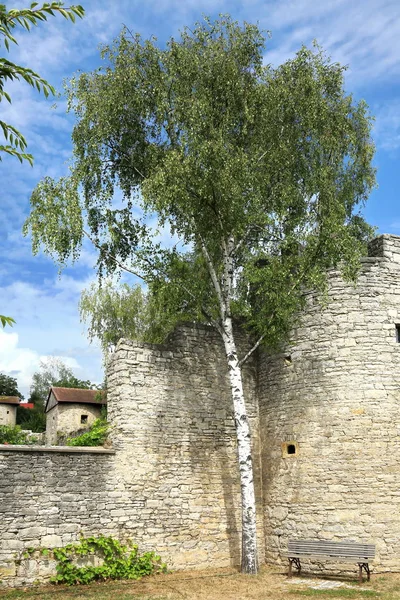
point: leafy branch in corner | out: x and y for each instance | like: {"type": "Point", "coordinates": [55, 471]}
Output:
{"type": "Point", "coordinates": [27, 17]}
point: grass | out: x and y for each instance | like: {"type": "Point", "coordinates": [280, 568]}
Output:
{"type": "Point", "coordinates": [338, 593]}
{"type": "Point", "coordinates": [217, 584]}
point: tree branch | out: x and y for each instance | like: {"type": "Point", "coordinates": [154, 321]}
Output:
{"type": "Point", "coordinates": [250, 352]}
{"type": "Point", "coordinates": [112, 257]}
{"type": "Point", "coordinates": [213, 276]}
{"type": "Point", "coordinates": [128, 270]}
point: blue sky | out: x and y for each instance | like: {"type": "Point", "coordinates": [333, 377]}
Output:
{"type": "Point", "coordinates": [363, 34]}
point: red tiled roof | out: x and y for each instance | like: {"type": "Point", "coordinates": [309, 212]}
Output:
{"type": "Point", "coordinates": [9, 400]}
{"type": "Point", "coordinates": [77, 395]}
{"type": "Point", "coordinates": [29, 405]}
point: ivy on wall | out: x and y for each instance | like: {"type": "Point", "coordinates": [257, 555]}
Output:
{"type": "Point", "coordinates": [118, 561]}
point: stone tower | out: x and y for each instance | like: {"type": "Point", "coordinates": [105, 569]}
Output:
{"type": "Point", "coordinates": [330, 416]}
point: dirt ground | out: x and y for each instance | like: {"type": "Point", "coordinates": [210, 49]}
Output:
{"type": "Point", "coordinates": [221, 584]}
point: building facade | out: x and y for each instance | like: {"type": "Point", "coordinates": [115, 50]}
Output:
{"type": "Point", "coordinates": [69, 410]}
{"type": "Point", "coordinates": [8, 410]}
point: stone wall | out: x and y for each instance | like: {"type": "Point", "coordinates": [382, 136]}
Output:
{"type": "Point", "coordinates": [172, 485]}
{"type": "Point", "coordinates": [335, 393]}
{"type": "Point", "coordinates": [325, 430]}
{"type": "Point", "coordinates": [176, 445]}
{"type": "Point", "coordinates": [47, 498]}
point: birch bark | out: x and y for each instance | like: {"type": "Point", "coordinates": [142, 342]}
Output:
{"type": "Point", "coordinates": [223, 290]}
{"type": "Point", "coordinates": [249, 532]}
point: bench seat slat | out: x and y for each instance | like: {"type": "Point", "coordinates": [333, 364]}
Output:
{"type": "Point", "coordinates": [328, 548]}
{"type": "Point", "coordinates": [329, 543]}
{"type": "Point", "coordinates": [331, 549]}
{"type": "Point", "coordinates": [349, 559]}
{"type": "Point", "coordinates": [322, 553]}
{"type": "Point", "coordinates": [344, 546]}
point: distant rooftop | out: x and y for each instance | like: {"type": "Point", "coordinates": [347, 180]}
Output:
{"type": "Point", "coordinates": [77, 396]}
{"type": "Point", "coordinates": [9, 400]}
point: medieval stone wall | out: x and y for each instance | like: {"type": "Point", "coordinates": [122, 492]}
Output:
{"type": "Point", "coordinates": [176, 445]}
{"type": "Point", "coordinates": [335, 393]}
{"type": "Point", "coordinates": [172, 485]}
{"type": "Point", "coordinates": [325, 426]}
{"type": "Point", "coordinates": [47, 498]}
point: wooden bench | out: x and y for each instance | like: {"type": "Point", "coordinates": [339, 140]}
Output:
{"type": "Point", "coordinates": [362, 554]}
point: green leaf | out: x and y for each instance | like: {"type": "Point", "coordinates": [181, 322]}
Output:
{"type": "Point", "coordinates": [9, 71]}
{"type": "Point", "coordinates": [6, 321]}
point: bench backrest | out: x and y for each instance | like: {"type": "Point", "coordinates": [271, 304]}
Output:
{"type": "Point", "coordinates": [327, 548]}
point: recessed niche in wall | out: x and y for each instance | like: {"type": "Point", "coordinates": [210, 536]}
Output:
{"type": "Point", "coordinates": [288, 360]}
{"type": "Point", "coordinates": [290, 449]}
{"type": "Point", "coordinates": [397, 332]}
{"type": "Point", "coordinates": [84, 419]}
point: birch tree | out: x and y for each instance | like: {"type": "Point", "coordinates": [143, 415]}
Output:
{"type": "Point", "coordinates": [259, 172]}
{"type": "Point", "coordinates": [113, 311]}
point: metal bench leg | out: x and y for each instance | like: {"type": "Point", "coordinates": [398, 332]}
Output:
{"type": "Point", "coordinates": [296, 562]}
{"type": "Point", "coordinates": [364, 566]}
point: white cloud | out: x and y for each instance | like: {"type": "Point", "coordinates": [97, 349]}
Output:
{"type": "Point", "coordinates": [47, 324]}
{"type": "Point", "coordinates": [365, 34]}
{"type": "Point", "coordinates": [21, 363]}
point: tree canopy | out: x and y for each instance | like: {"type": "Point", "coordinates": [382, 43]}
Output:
{"type": "Point", "coordinates": [221, 146]}
{"type": "Point", "coordinates": [53, 372]}
{"type": "Point", "coordinates": [111, 311]}
{"type": "Point", "coordinates": [9, 386]}
{"type": "Point", "coordinates": [259, 172]}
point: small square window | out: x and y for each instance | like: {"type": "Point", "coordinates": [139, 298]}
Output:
{"type": "Point", "coordinates": [84, 419]}
{"type": "Point", "coordinates": [397, 333]}
{"type": "Point", "coordinates": [290, 449]}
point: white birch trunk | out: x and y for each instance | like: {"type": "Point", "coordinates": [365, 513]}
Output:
{"type": "Point", "coordinates": [223, 289]}
{"type": "Point", "coordinates": [249, 532]}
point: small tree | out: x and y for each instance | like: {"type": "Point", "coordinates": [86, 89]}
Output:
{"type": "Point", "coordinates": [53, 372]}
{"type": "Point", "coordinates": [257, 170]}
{"type": "Point", "coordinates": [32, 418]}
{"type": "Point", "coordinates": [9, 386]}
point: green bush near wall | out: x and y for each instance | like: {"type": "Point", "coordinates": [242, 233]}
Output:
{"type": "Point", "coordinates": [13, 435]}
{"type": "Point", "coordinates": [95, 436]}
{"type": "Point", "coordinates": [119, 561]}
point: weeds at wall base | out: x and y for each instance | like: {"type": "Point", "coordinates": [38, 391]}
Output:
{"type": "Point", "coordinates": [117, 561]}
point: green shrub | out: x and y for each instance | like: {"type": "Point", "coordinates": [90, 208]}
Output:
{"type": "Point", "coordinates": [33, 419]}
{"type": "Point", "coordinates": [95, 436]}
{"type": "Point", "coordinates": [12, 435]}
{"type": "Point", "coordinates": [120, 561]}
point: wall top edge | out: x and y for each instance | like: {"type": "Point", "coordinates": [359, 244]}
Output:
{"type": "Point", "coordinates": [56, 449]}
